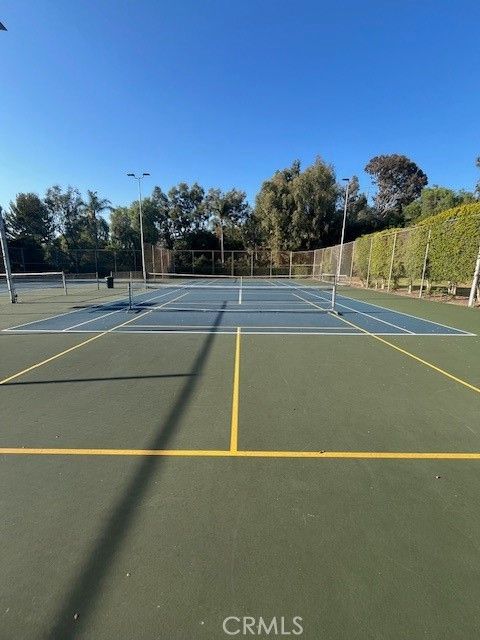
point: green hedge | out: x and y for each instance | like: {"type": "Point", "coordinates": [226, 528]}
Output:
{"type": "Point", "coordinates": [454, 241]}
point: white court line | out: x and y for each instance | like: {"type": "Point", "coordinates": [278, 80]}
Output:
{"type": "Point", "coordinates": [363, 313]}
{"type": "Point", "coordinates": [439, 324]}
{"type": "Point", "coordinates": [112, 312]}
{"type": "Point", "coordinates": [227, 326]}
{"type": "Point", "coordinates": [410, 315]}
{"type": "Point", "coordinates": [245, 330]}
{"type": "Point", "coordinates": [66, 313]}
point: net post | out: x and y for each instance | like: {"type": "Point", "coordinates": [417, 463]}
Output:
{"type": "Point", "coordinates": [64, 282]}
{"type": "Point", "coordinates": [6, 261]}
{"type": "Point", "coordinates": [334, 293]}
{"type": "Point", "coordinates": [391, 261]}
{"type": "Point", "coordinates": [130, 302]}
{"type": "Point", "coordinates": [424, 268]}
{"type": "Point", "coordinates": [290, 265]}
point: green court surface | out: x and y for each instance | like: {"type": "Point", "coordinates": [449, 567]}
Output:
{"type": "Point", "coordinates": [155, 484]}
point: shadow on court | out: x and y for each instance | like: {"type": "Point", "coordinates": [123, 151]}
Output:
{"type": "Point", "coordinates": [88, 585]}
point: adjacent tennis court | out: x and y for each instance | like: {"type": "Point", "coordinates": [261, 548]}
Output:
{"type": "Point", "coordinates": [207, 448]}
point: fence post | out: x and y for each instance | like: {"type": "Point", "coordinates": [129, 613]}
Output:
{"type": "Point", "coordinates": [233, 271]}
{"type": "Point", "coordinates": [352, 262]}
{"type": "Point", "coordinates": [271, 263]}
{"type": "Point", "coordinates": [314, 261]}
{"type": "Point", "coordinates": [153, 259]}
{"type": "Point", "coordinates": [193, 262]}
{"type": "Point", "coordinates": [475, 281]}
{"type": "Point", "coordinates": [290, 265]}
{"type": "Point", "coordinates": [391, 261]}
{"type": "Point", "coordinates": [213, 262]}
{"type": "Point", "coordinates": [115, 261]}
{"type": "Point", "coordinates": [424, 269]}
{"type": "Point", "coordinates": [369, 262]}
{"type": "Point", "coordinates": [321, 264]}
{"type": "Point", "coordinates": [251, 264]}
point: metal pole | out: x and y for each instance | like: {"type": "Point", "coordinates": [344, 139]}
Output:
{"type": "Point", "coordinates": [424, 269]}
{"type": "Point", "coordinates": [391, 261]}
{"type": "Point", "coordinates": [115, 261]}
{"type": "Point", "coordinates": [369, 262]}
{"type": "Point", "coordinates": [193, 262]}
{"type": "Point", "coordinates": [161, 260]}
{"type": "Point", "coordinates": [271, 263]}
{"type": "Point", "coordinates": [290, 265]}
{"type": "Point", "coordinates": [251, 264]}
{"type": "Point", "coordinates": [233, 273]}
{"type": "Point", "coordinates": [314, 260]}
{"type": "Point", "coordinates": [321, 264]}
{"type": "Point", "coordinates": [213, 262]}
{"type": "Point", "coordinates": [475, 281]}
{"type": "Point", "coordinates": [334, 293]}
{"type": "Point", "coordinates": [153, 259]}
{"type": "Point", "coordinates": [339, 266]}
{"type": "Point", "coordinates": [6, 261]}
{"type": "Point", "coordinates": [64, 282]}
{"type": "Point", "coordinates": [130, 301]}
{"type": "Point", "coordinates": [144, 270]}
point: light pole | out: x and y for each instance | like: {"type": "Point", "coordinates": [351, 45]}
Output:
{"type": "Point", "coordinates": [139, 180]}
{"type": "Point", "coordinates": [339, 265]}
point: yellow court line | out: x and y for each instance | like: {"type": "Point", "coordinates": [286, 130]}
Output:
{"type": "Point", "coordinates": [235, 395]}
{"type": "Point", "coordinates": [78, 346]}
{"type": "Point", "coordinates": [414, 357]}
{"type": "Point", "coordinates": [220, 453]}
{"type": "Point", "coordinates": [404, 351]}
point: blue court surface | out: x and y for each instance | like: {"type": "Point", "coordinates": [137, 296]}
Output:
{"type": "Point", "coordinates": [260, 307]}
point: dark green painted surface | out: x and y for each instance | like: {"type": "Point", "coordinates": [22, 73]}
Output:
{"type": "Point", "coordinates": [359, 549]}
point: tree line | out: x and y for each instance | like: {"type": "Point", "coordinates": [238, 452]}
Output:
{"type": "Point", "coordinates": [295, 209]}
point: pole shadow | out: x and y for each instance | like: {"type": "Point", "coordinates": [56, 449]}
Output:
{"type": "Point", "coordinates": [84, 592]}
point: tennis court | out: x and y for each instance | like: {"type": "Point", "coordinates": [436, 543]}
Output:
{"type": "Point", "coordinates": [213, 448]}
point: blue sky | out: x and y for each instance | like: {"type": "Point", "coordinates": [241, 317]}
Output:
{"type": "Point", "coordinates": [225, 92]}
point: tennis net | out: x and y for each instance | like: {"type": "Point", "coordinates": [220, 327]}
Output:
{"type": "Point", "coordinates": [247, 294]}
{"type": "Point", "coordinates": [46, 279]}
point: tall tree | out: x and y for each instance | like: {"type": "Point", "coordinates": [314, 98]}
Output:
{"type": "Point", "coordinates": [360, 215]}
{"type": "Point", "coordinates": [29, 218]}
{"type": "Point", "coordinates": [186, 209]}
{"type": "Point", "coordinates": [399, 181]}
{"type": "Point", "coordinates": [66, 208]}
{"type": "Point", "coordinates": [122, 233]}
{"type": "Point", "coordinates": [314, 217]}
{"type": "Point", "coordinates": [433, 200]}
{"type": "Point", "coordinates": [275, 205]}
{"type": "Point", "coordinates": [93, 206]}
{"type": "Point", "coordinates": [226, 209]}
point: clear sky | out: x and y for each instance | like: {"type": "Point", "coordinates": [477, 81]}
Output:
{"type": "Point", "coordinates": [227, 91]}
